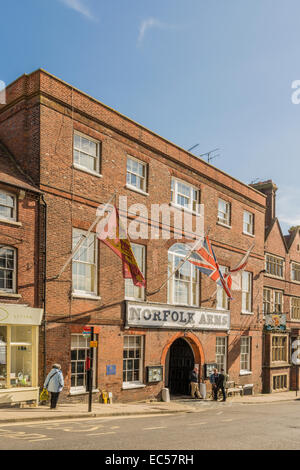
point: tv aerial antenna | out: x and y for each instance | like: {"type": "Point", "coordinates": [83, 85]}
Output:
{"type": "Point", "coordinates": [210, 155]}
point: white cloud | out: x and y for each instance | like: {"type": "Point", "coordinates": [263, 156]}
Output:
{"type": "Point", "coordinates": [288, 206]}
{"type": "Point", "coordinates": [80, 7]}
{"type": "Point", "coordinates": [151, 23]}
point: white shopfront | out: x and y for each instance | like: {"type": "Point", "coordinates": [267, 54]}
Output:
{"type": "Point", "coordinates": [19, 333]}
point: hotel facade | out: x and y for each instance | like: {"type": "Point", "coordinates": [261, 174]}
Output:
{"type": "Point", "coordinates": [78, 152]}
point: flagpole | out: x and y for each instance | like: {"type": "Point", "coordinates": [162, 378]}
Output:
{"type": "Point", "coordinates": [85, 236]}
{"type": "Point", "coordinates": [195, 246]}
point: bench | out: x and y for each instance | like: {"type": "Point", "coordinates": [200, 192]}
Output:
{"type": "Point", "coordinates": [232, 388]}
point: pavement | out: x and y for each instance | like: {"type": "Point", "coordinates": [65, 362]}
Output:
{"type": "Point", "coordinates": [14, 414]}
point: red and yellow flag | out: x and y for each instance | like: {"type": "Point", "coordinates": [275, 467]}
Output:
{"type": "Point", "coordinates": [121, 246]}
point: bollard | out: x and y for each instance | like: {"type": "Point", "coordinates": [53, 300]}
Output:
{"type": "Point", "coordinates": [104, 397]}
{"type": "Point", "coordinates": [165, 395]}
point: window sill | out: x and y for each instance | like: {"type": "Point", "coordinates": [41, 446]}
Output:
{"type": "Point", "coordinates": [249, 234]}
{"type": "Point", "coordinates": [10, 295]}
{"type": "Point", "coordinates": [85, 296]}
{"type": "Point", "coordinates": [86, 170]}
{"type": "Point", "coordinates": [82, 392]}
{"type": "Point", "coordinates": [245, 372]}
{"type": "Point", "coordinates": [134, 299]}
{"type": "Point", "coordinates": [246, 313]}
{"type": "Point", "coordinates": [11, 222]}
{"type": "Point", "coordinates": [137, 190]}
{"type": "Point", "coordinates": [272, 276]}
{"type": "Point", "coordinates": [132, 386]}
{"type": "Point", "coordinates": [186, 209]}
{"type": "Point", "coordinates": [223, 225]}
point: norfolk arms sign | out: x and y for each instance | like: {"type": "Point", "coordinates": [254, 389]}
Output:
{"type": "Point", "coordinates": [167, 316]}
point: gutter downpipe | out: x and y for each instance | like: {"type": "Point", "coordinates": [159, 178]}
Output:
{"type": "Point", "coordinates": [45, 284]}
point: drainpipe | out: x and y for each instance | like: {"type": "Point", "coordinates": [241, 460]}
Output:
{"type": "Point", "coordinates": [45, 283]}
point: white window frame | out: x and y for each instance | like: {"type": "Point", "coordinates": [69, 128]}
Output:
{"type": "Point", "coordinates": [133, 292]}
{"type": "Point", "coordinates": [14, 269]}
{"type": "Point", "coordinates": [267, 301]}
{"type": "Point", "coordinates": [247, 354]}
{"type": "Point", "coordinates": [221, 296]}
{"type": "Point", "coordinates": [173, 281]}
{"type": "Point", "coordinates": [275, 264]}
{"type": "Point", "coordinates": [82, 388]}
{"type": "Point", "coordinates": [142, 178]}
{"type": "Point", "coordinates": [224, 218]}
{"type": "Point", "coordinates": [247, 294]}
{"type": "Point", "coordinates": [94, 264]}
{"type": "Point", "coordinates": [297, 270]}
{"type": "Point", "coordinates": [193, 205]}
{"type": "Point", "coordinates": [127, 346]}
{"type": "Point", "coordinates": [221, 351]}
{"type": "Point", "coordinates": [248, 223]}
{"type": "Point", "coordinates": [7, 205]}
{"type": "Point", "coordinates": [77, 165]}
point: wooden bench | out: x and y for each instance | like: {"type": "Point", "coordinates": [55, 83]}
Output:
{"type": "Point", "coordinates": [232, 388]}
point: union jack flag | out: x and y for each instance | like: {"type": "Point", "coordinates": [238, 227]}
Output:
{"type": "Point", "coordinates": [205, 260]}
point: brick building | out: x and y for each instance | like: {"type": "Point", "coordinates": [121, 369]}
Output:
{"type": "Point", "coordinates": [78, 152]}
{"type": "Point", "coordinates": [281, 296]}
{"type": "Point", "coordinates": [21, 286]}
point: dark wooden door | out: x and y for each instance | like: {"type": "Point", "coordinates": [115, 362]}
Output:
{"type": "Point", "coordinates": [180, 366]}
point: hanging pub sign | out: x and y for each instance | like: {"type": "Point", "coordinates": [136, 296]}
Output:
{"type": "Point", "coordinates": [275, 322]}
{"type": "Point", "coordinates": [154, 373]}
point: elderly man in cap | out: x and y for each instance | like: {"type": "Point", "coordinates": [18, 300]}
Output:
{"type": "Point", "coordinates": [194, 383]}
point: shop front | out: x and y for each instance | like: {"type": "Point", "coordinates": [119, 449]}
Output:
{"type": "Point", "coordinates": [19, 329]}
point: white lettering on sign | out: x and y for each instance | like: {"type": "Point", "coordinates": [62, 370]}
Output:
{"type": "Point", "coordinates": [154, 316]}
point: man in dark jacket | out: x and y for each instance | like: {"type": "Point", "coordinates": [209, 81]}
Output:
{"type": "Point", "coordinates": [194, 383]}
{"type": "Point", "coordinates": [217, 381]}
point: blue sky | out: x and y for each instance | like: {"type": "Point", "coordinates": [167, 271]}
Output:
{"type": "Point", "coordinates": [217, 73]}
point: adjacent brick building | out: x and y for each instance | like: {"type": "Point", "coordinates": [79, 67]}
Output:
{"type": "Point", "coordinates": [21, 286]}
{"type": "Point", "coordinates": [282, 297]}
{"type": "Point", "coordinates": [78, 152]}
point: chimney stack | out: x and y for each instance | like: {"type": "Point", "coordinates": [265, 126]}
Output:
{"type": "Point", "coordinates": [269, 189]}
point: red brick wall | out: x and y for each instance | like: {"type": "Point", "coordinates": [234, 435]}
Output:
{"type": "Point", "coordinates": [37, 126]}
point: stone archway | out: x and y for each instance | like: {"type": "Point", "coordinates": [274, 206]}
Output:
{"type": "Point", "coordinates": [179, 357]}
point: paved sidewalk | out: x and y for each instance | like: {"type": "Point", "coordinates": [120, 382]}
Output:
{"type": "Point", "coordinates": [77, 411]}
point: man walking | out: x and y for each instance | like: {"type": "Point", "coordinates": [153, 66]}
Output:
{"type": "Point", "coordinates": [194, 383]}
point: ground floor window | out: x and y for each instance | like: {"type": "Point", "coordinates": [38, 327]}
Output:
{"type": "Point", "coordinates": [221, 353]}
{"type": "Point", "coordinates": [279, 382]}
{"type": "Point", "coordinates": [245, 354]}
{"type": "Point", "coordinates": [132, 360]}
{"type": "Point", "coordinates": [80, 350]}
{"type": "Point", "coordinates": [17, 355]}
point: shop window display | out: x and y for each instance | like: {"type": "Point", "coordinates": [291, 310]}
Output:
{"type": "Point", "coordinates": [15, 344]}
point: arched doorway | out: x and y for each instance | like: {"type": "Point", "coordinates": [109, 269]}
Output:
{"type": "Point", "coordinates": [180, 361]}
